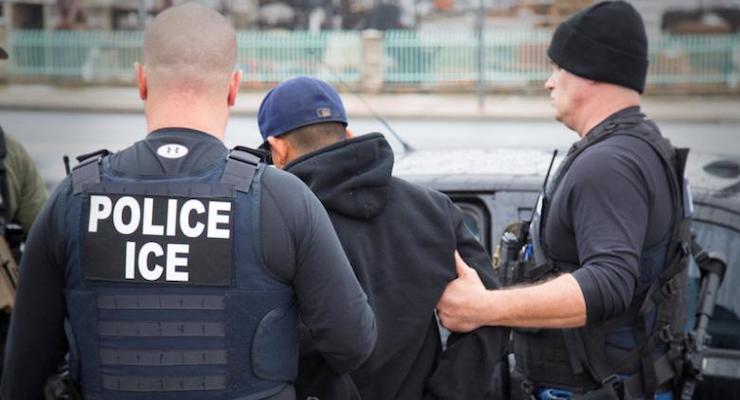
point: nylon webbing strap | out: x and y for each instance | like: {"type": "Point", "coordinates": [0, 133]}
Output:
{"type": "Point", "coordinates": [164, 383]}
{"type": "Point", "coordinates": [160, 302]}
{"type": "Point", "coordinates": [162, 358]}
{"type": "Point", "coordinates": [576, 351]}
{"type": "Point", "coordinates": [86, 173]}
{"type": "Point", "coordinates": [161, 329]}
{"type": "Point", "coordinates": [240, 169]}
{"type": "Point", "coordinates": [663, 373]}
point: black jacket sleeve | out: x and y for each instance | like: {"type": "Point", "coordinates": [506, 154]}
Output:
{"type": "Point", "coordinates": [469, 361]}
{"type": "Point", "coordinates": [301, 246]}
{"type": "Point", "coordinates": [36, 341]}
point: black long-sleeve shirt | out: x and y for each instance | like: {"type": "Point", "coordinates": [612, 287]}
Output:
{"type": "Point", "coordinates": [613, 203]}
{"type": "Point", "coordinates": [299, 246]}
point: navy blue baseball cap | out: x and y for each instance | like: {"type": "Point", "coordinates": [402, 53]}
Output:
{"type": "Point", "coordinates": [296, 103]}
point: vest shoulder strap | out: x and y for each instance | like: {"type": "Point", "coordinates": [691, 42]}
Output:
{"type": "Point", "coordinates": [241, 166]}
{"type": "Point", "coordinates": [87, 172]}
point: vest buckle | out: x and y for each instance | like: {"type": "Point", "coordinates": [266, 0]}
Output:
{"type": "Point", "coordinates": [527, 388]}
{"type": "Point", "coordinates": [665, 334]}
{"type": "Point", "coordinates": [614, 384]}
{"type": "Point", "coordinates": [669, 288]}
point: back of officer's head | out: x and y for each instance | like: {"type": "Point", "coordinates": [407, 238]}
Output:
{"type": "Point", "coordinates": [189, 47]}
{"type": "Point", "coordinates": [605, 42]}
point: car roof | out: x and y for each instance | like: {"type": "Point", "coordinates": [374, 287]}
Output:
{"type": "Point", "coordinates": [714, 179]}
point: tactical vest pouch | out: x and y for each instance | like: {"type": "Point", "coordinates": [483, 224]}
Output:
{"type": "Point", "coordinates": [268, 361]}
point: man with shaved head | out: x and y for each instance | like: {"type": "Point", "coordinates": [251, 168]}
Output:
{"type": "Point", "coordinates": [175, 268]}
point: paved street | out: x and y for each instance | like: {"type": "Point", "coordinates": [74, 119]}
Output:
{"type": "Point", "coordinates": [50, 134]}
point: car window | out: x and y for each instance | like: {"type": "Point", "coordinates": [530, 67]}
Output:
{"type": "Point", "coordinates": [724, 326]}
{"type": "Point", "coordinates": [476, 220]}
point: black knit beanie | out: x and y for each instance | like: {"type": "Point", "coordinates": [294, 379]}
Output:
{"type": "Point", "coordinates": [605, 42]}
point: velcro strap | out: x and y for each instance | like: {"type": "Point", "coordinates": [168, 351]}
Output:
{"type": "Point", "coordinates": [86, 173]}
{"type": "Point", "coordinates": [664, 372]}
{"type": "Point", "coordinates": [240, 169]}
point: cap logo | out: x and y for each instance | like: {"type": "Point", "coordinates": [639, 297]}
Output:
{"type": "Point", "coordinates": [172, 150]}
{"type": "Point", "coordinates": [323, 112]}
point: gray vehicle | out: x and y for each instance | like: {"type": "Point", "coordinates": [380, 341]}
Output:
{"type": "Point", "coordinates": [496, 187]}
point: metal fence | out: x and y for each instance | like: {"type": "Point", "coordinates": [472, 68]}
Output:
{"type": "Point", "coordinates": [268, 57]}
{"type": "Point", "coordinates": [421, 59]}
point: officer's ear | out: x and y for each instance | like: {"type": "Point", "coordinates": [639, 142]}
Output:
{"type": "Point", "coordinates": [348, 134]}
{"type": "Point", "coordinates": [141, 80]}
{"type": "Point", "coordinates": [234, 83]}
{"type": "Point", "coordinates": [279, 148]}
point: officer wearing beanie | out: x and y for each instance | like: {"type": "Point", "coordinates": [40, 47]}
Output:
{"type": "Point", "coordinates": [400, 239]}
{"type": "Point", "coordinates": [600, 311]}
{"type": "Point", "coordinates": [175, 268]}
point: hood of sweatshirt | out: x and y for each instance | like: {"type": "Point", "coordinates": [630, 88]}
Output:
{"type": "Point", "coordinates": [350, 177]}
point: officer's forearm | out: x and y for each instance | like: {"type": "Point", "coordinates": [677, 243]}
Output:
{"type": "Point", "coordinates": [558, 303]}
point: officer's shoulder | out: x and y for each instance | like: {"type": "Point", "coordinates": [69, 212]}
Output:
{"type": "Point", "coordinates": [280, 182]}
{"type": "Point", "coordinates": [13, 147]}
{"type": "Point", "coordinates": [11, 142]}
{"type": "Point", "coordinates": [613, 157]}
{"type": "Point", "coordinates": [613, 149]}
{"type": "Point", "coordinates": [623, 149]}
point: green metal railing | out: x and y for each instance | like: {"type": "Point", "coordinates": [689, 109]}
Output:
{"type": "Point", "coordinates": [416, 58]}
{"type": "Point", "coordinates": [695, 60]}
{"type": "Point", "coordinates": [511, 57]}
{"type": "Point", "coordinates": [267, 57]}
{"type": "Point", "coordinates": [71, 54]}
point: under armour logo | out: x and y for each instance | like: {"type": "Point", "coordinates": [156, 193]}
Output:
{"type": "Point", "coordinates": [172, 150]}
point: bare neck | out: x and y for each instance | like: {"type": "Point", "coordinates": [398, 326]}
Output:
{"type": "Point", "coordinates": [198, 113]}
{"type": "Point", "coordinates": [603, 105]}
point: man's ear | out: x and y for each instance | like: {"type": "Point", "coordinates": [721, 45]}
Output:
{"type": "Point", "coordinates": [234, 83]}
{"type": "Point", "coordinates": [141, 80]}
{"type": "Point", "coordinates": [279, 148]}
{"type": "Point", "coordinates": [348, 133]}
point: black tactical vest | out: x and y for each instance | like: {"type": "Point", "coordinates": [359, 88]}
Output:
{"type": "Point", "coordinates": [167, 295]}
{"type": "Point", "coordinates": [580, 359]}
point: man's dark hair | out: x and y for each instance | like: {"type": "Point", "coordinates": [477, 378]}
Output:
{"type": "Point", "coordinates": [310, 138]}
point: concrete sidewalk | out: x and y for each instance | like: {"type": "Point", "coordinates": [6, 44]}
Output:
{"type": "Point", "coordinates": [416, 106]}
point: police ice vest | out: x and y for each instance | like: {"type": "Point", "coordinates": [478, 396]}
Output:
{"type": "Point", "coordinates": [586, 359]}
{"type": "Point", "coordinates": [167, 294]}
